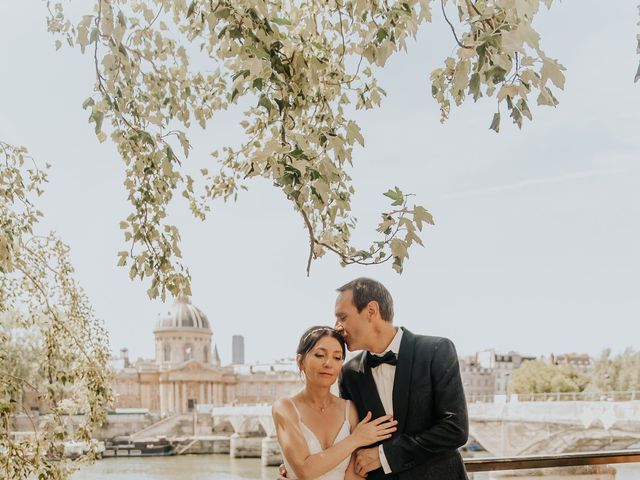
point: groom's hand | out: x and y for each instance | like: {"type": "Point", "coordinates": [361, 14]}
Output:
{"type": "Point", "coordinates": [367, 459]}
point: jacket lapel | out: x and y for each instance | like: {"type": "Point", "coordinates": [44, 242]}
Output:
{"type": "Point", "coordinates": [369, 393]}
{"type": "Point", "coordinates": [402, 380]}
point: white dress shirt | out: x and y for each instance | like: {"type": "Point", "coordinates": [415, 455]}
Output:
{"type": "Point", "coordinates": [383, 376]}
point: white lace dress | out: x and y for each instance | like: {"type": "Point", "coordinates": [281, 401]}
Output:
{"type": "Point", "coordinates": [337, 473]}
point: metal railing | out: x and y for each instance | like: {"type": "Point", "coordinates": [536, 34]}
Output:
{"type": "Point", "coordinates": [491, 464]}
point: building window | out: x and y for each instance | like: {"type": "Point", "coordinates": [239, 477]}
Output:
{"type": "Point", "coordinates": [206, 354]}
{"type": "Point", "coordinates": [188, 352]}
{"type": "Point", "coordinates": [166, 352]}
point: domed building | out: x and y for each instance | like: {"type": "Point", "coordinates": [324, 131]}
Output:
{"type": "Point", "coordinates": [183, 334]}
{"type": "Point", "coordinates": [186, 370]}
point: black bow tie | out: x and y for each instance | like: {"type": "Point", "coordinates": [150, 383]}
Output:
{"type": "Point", "coordinates": [389, 358]}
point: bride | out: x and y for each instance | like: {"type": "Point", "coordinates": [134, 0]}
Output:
{"type": "Point", "coordinates": [317, 431]}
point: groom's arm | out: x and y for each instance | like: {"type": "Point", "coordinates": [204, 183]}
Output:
{"type": "Point", "coordinates": [451, 429]}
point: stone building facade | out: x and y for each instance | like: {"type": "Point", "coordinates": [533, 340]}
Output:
{"type": "Point", "coordinates": [580, 361]}
{"type": "Point", "coordinates": [479, 382]}
{"type": "Point", "coordinates": [186, 371]}
{"type": "Point", "coordinates": [502, 366]}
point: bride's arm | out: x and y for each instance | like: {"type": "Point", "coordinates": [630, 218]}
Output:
{"type": "Point", "coordinates": [296, 451]}
{"type": "Point", "coordinates": [351, 474]}
{"type": "Point", "coordinates": [294, 447]}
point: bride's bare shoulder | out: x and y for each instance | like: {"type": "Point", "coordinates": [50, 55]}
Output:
{"type": "Point", "coordinates": [283, 409]}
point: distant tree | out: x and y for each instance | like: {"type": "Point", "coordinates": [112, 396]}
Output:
{"type": "Point", "coordinates": [616, 373]}
{"type": "Point", "coordinates": [539, 377]}
{"type": "Point", "coordinates": [51, 347]}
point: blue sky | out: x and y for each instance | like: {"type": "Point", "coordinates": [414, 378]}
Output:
{"type": "Point", "coordinates": [536, 243]}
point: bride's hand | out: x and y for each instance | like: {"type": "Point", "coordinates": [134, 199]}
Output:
{"type": "Point", "coordinates": [372, 431]}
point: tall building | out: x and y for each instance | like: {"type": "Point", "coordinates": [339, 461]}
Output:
{"type": "Point", "coordinates": [237, 350]}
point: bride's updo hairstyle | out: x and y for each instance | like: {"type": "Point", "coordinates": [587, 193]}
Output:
{"type": "Point", "coordinates": [313, 335]}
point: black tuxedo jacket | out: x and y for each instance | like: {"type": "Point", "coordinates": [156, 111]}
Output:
{"type": "Point", "coordinates": [428, 402]}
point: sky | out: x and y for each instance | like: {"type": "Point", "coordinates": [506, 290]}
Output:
{"type": "Point", "coordinates": [536, 246]}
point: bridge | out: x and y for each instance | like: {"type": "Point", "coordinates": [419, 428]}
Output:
{"type": "Point", "coordinates": [504, 429]}
{"type": "Point", "coordinates": [550, 427]}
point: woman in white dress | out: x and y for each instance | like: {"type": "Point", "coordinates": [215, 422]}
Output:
{"type": "Point", "coordinates": [317, 431]}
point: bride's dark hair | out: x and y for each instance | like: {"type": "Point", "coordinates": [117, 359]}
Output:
{"type": "Point", "coordinates": [311, 336]}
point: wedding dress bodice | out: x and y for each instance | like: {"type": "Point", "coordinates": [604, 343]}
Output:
{"type": "Point", "coordinates": [337, 473]}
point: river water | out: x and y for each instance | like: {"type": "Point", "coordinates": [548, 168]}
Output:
{"type": "Point", "coordinates": [181, 467]}
{"type": "Point", "coordinates": [222, 467]}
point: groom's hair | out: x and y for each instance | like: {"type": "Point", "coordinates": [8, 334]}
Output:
{"type": "Point", "coordinates": [366, 290]}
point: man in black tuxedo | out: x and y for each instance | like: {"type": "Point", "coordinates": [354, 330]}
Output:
{"type": "Point", "coordinates": [414, 377]}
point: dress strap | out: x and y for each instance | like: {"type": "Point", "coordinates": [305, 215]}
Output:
{"type": "Point", "coordinates": [295, 408]}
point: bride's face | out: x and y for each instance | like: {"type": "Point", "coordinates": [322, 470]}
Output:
{"type": "Point", "coordinates": [322, 364]}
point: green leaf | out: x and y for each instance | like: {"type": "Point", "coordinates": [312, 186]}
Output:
{"type": "Point", "coordinates": [399, 248]}
{"type": "Point", "coordinates": [397, 264]}
{"type": "Point", "coordinates": [223, 13]}
{"type": "Point", "coordinates": [420, 216]}
{"type": "Point", "coordinates": [281, 21]}
{"type": "Point", "coordinates": [191, 9]}
{"type": "Point", "coordinates": [385, 226]}
{"type": "Point", "coordinates": [495, 123]}
{"type": "Point", "coordinates": [495, 74]}
{"type": "Point", "coordinates": [147, 138]}
{"type": "Point", "coordinates": [474, 86]}
{"type": "Point", "coordinates": [259, 52]}
{"type": "Point", "coordinates": [97, 116]}
{"type": "Point", "coordinates": [396, 195]}
{"type": "Point", "coordinates": [265, 102]}
{"type": "Point", "coordinates": [122, 261]}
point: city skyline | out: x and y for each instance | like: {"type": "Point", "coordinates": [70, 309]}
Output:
{"type": "Point", "coordinates": [237, 337]}
{"type": "Point", "coordinates": [535, 247]}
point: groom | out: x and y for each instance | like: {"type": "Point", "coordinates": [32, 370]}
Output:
{"type": "Point", "coordinates": [414, 377]}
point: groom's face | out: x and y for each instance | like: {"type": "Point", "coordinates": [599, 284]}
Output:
{"type": "Point", "coordinates": [352, 325]}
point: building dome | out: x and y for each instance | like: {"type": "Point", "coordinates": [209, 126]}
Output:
{"type": "Point", "coordinates": [183, 315]}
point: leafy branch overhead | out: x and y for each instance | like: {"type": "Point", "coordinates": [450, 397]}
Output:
{"type": "Point", "coordinates": [163, 65]}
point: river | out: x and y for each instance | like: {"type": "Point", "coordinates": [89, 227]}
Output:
{"type": "Point", "coordinates": [222, 467]}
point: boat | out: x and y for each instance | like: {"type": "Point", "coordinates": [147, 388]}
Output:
{"type": "Point", "coordinates": [160, 447]}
